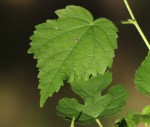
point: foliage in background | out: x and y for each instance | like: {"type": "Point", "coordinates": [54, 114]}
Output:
{"type": "Point", "coordinates": [132, 119]}
{"type": "Point", "coordinates": [142, 77]}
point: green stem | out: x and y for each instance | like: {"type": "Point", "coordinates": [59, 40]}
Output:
{"type": "Point", "coordinates": [99, 123]}
{"type": "Point", "coordinates": [72, 122]}
{"type": "Point", "coordinates": [135, 23]}
{"type": "Point", "coordinates": [129, 9]}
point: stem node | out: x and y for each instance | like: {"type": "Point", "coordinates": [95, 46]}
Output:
{"type": "Point", "coordinates": [135, 23]}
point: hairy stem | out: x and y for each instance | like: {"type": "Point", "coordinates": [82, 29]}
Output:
{"type": "Point", "coordinates": [99, 123]}
{"type": "Point", "coordinates": [72, 122]}
{"type": "Point", "coordinates": [135, 23]}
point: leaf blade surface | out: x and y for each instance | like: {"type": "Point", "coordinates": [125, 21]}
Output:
{"type": "Point", "coordinates": [95, 105]}
{"type": "Point", "coordinates": [142, 76]}
{"type": "Point", "coordinates": [71, 47]}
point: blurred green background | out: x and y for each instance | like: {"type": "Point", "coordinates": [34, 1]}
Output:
{"type": "Point", "coordinates": [19, 96]}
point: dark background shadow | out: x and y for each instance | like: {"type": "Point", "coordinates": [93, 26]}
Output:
{"type": "Point", "coordinates": [19, 96]}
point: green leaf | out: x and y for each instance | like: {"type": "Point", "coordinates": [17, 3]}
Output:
{"type": "Point", "coordinates": [118, 96]}
{"type": "Point", "coordinates": [142, 77]}
{"type": "Point", "coordinates": [95, 105]}
{"type": "Point", "coordinates": [127, 121]}
{"type": "Point", "coordinates": [146, 110]}
{"type": "Point", "coordinates": [132, 119]}
{"type": "Point", "coordinates": [146, 114]}
{"type": "Point", "coordinates": [120, 123]}
{"type": "Point", "coordinates": [71, 47]}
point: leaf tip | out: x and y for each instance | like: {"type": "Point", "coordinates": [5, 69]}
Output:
{"type": "Point", "coordinates": [42, 101]}
{"type": "Point", "coordinates": [29, 51]}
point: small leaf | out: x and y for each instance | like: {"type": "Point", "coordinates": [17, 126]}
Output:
{"type": "Point", "coordinates": [71, 47]}
{"type": "Point", "coordinates": [146, 110]}
{"type": "Point", "coordinates": [142, 77]}
{"type": "Point", "coordinates": [136, 119]}
{"type": "Point", "coordinates": [130, 120]}
{"type": "Point", "coordinates": [133, 120]}
{"type": "Point", "coordinates": [96, 105]}
{"type": "Point", "coordinates": [120, 123]}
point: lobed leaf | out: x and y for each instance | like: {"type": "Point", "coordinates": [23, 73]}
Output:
{"type": "Point", "coordinates": [142, 77]}
{"type": "Point", "coordinates": [95, 105]}
{"type": "Point", "coordinates": [118, 96]}
{"type": "Point", "coordinates": [72, 47]}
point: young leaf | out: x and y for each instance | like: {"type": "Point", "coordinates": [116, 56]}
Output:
{"type": "Point", "coordinates": [71, 47]}
{"type": "Point", "coordinates": [128, 121]}
{"type": "Point", "coordinates": [142, 77]}
{"type": "Point", "coordinates": [146, 114]}
{"type": "Point", "coordinates": [96, 105]}
{"type": "Point", "coordinates": [133, 120]}
{"type": "Point", "coordinates": [120, 123]}
{"type": "Point", "coordinates": [146, 110]}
